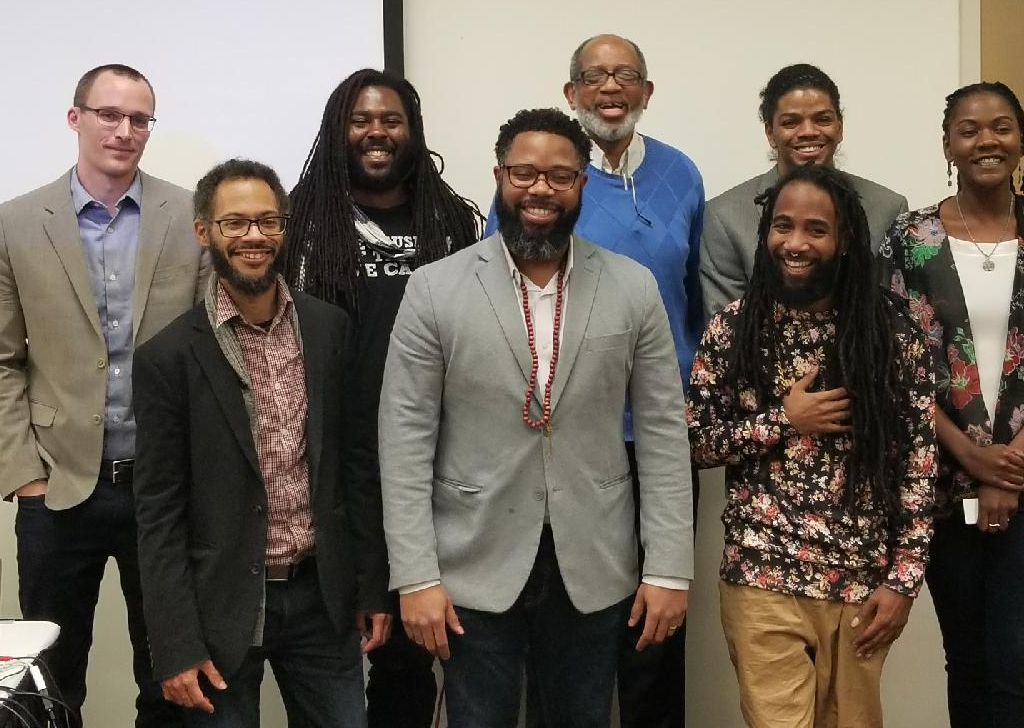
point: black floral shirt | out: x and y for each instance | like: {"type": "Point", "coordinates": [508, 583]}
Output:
{"type": "Point", "coordinates": [787, 525]}
{"type": "Point", "coordinates": [916, 262]}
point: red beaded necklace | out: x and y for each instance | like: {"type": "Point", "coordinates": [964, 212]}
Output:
{"type": "Point", "coordinates": [531, 384]}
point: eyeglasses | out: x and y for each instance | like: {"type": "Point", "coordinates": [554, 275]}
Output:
{"type": "Point", "coordinates": [599, 76]}
{"type": "Point", "coordinates": [238, 227]}
{"type": "Point", "coordinates": [112, 118]}
{"type": "Point", "coordinates": [525, 176]}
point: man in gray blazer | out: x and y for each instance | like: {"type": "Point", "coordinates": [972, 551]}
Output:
{"type": "Point", "coordinates": [803, 122]}
{"type": "Point", "coordinates": [90, 266]}
{"type": "Point", "coordinates": [509, 517]}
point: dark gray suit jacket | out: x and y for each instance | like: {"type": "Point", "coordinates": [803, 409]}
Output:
{"type": "Point", "coordinates": [730, 233]}
{"type": "Point", "coordinates": [201, 502]}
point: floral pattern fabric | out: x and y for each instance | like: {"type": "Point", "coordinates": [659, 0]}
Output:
{"type": "Point", "coordinates": [788, 527]}
{"type": "Point", "coordinates": [916, 263]}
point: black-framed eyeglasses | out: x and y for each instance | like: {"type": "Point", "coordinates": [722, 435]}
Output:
{"type": "Point", "coordinates": [112, 118]}
{"type": "Point", "coordinates": [524, 176]}
{"type": "Point", "coordinates": [624, 76]}
{"type": "Point", "coordinates": [238, 227]}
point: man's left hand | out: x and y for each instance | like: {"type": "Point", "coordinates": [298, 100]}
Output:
{"type": "Point", "coordinates": [886, 613]}
{"type": "Point", "coordinates": [665, 608]}
{"type": "Point", "coordinates": [375, 629]}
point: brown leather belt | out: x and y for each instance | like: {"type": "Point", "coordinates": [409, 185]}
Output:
{"type": "Point", "coordinates": [286, 572]}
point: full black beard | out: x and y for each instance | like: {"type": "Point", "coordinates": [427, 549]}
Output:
{"type": "Point", "coordinates": [820, 284]}
{"type": "Point", "coordinates": [401, 167]}
{"type": "Point", "coordinates": [547, 245]}
{"type": "Point", "coordinates": [246, 285]}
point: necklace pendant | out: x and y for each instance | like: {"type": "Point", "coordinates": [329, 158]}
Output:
{"type": "Point", "coordinates": [988, 265]}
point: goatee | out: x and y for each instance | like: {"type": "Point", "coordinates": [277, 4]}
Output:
{"type": "Point", "coordinates": [548, 243]}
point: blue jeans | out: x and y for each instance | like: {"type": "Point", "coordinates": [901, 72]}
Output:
{"type": "Point", "coordinates": [573, 654]}
{"type": "Point", "coordinates": [319, 671]}
{"type": "Point", "coordinates": [61, 559]}
{"type": "Point", "coordinates": [977, 584]}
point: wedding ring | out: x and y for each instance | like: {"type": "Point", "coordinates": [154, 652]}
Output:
{"type": "Point", "coordinates": [994, 525]}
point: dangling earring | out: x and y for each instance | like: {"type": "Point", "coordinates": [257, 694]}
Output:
{"type": "Point", "coordinates": [949, 173]}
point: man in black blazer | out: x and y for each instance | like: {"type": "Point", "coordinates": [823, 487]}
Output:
{"type": "Point", "coordinates": [253, 544]}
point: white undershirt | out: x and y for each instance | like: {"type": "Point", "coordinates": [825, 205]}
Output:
{"type": "Point", "coordinates": [987, 294]}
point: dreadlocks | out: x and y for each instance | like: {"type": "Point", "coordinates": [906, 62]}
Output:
{"type": "Point", "coordinates": [322, 257]}
{"type": "Point", "coordinates": [865, 358]}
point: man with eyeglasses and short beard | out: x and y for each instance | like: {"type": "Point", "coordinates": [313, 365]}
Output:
{"type": "Point", "coordinates": [91, 265]}
{"type": "Point", "coordinates": [255, 548]}
{"type": "Point", "coordinates": [644, 199]}
{"type": "Point", "coordinates": [508, 498]}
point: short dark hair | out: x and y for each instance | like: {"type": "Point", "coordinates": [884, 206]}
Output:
{"type": "Point", "coordinates": [206, 188]}
{"type": "Point", "coordinates": [796, 76]}
{"type": "Point", "coordinates": [550, 121]}
{"type": "Point", "coordinates": [575, 65]}
{"type": "Point", "coordinates": [118, 69]}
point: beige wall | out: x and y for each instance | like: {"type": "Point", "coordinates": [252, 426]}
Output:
{"type": "Point", "coordinates": [1002, 45]}
{"type": "Point", "coordinates": [475, 63]}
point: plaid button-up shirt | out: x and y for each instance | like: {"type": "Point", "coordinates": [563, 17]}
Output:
{"type": "Point", "coordinates": [273, 361]}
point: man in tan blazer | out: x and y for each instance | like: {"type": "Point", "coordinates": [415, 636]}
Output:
{"type": "Point", "coordinates": [91, 265]}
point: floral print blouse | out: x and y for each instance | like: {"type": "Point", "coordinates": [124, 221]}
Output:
{"type": "Point", "coordinates": [787, 525]}
{"type": "Point", "coordinates": [916, 262]}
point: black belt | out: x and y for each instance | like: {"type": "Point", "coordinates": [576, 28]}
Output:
{"type": "Point", "coordinates": [117, 471]}
{"type": "Point", "coordinates": [287, 572]}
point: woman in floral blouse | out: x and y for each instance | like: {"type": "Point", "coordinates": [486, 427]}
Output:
{"type": "Point", "coordinates": [960, 263]}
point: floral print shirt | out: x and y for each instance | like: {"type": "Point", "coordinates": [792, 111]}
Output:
{"type": "Point", "coordinates": [788, 527]}
{"type": "Point", "coordinates": [916, 263]}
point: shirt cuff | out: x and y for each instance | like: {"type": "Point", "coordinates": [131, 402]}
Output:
{"type": "Point", "coordinates": [410, 588]}
{"type": "Point", "coordinates": [667, 582]}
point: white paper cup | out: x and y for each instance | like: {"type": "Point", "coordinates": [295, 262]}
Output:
{"type": "Point", "coordinates": [970, 510]}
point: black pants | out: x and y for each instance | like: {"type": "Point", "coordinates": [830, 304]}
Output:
{"type": "Point", "coordinates": [61, 559]}
{"type": "Point", "coordinates": [400, 690]}
{"type": "Point", "coordinates": [652, 683]}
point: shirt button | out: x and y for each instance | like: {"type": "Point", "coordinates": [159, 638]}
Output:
{"type": "Point", "coordinates": [117, 418]}
{"type": "Point", "coordinates": [97, 419]}
{"type": "Point", "coordinates": [538, 495]}
{"type": "Point", "coordinates": [110, 229]}
{"type": "Point", "coordinates": [113, 276]}
{"type": "Point", "coordinates": [254, 569]}
{"type": "Point", "coordinates": [257, 509]}
{"type": "Point", "coordinates": [114, 324]}
{"type": "Point", "coordinates": [100, 363]}
{"type": "Point", "coordinates": [117, 371]}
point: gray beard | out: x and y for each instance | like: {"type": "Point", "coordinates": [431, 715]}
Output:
{"type": "Point", "coordinates": [527, 247]}
{"type": "Point", "coordinates": [598, 128]}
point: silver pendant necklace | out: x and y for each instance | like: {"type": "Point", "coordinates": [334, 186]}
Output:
{"type": "Point", "coordinates": [988, 265]}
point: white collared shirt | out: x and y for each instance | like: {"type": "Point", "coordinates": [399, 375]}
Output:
{"type": "Point", "coordinates": [630, 161]}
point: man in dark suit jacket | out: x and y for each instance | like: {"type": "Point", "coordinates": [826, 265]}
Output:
{"type": "Point", "coordinates": [253, 544]}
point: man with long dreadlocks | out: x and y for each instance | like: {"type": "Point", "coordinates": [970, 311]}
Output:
{"type": "Point", "coordinates": [815, 391]}
{"type": "Point", "coordinates": [369, 208]}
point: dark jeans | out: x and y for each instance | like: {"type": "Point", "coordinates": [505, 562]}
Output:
{"type": "Point", "coordinates": [400, 689]}
{"type": "Point", "coordinates": [61, 559]}
{"type": "Point", "coordinates": [977, 584]}
{"type": "Point", "coordinates": [319, 671]}
{"type": "Point", "coordinates": [573, 655]}
{"type": "Point", "coordinates": [652, 683]}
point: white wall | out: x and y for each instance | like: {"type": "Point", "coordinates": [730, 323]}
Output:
{"type": "Point", "coordinates": [475, 63]}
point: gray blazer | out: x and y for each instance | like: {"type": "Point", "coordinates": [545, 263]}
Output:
{"type": "Point", "coordinates": [465, 480]}
{"type": "Point", "coordinates": [53, 386]}
{"type": "Point", "coordinates": [730, 233]}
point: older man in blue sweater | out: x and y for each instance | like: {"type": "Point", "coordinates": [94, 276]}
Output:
{"type": "Point", "coordinates": [645, 200]}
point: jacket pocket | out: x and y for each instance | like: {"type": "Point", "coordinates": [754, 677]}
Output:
{"type": "Point", "coordinates": [617, 480]}
{"type": "Point", "coordinates": [603, 343]}
{"type": "Point", "coordinates": [41, 414]}
{"type": "Point", "coordinates": [458, 485]}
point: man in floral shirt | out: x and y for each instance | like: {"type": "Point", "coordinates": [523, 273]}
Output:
{"type": "Point", "coordinates": [816, 393]}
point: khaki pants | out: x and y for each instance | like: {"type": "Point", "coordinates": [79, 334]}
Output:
{"type": "Point", "coordinates": [795, 661]}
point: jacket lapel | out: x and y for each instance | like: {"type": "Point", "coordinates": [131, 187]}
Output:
{"type": "Point", "coordinates": [225, 385]}
{"type": "Point", "coordinates": [154, 222]}
{"type": "Point", "coordinates": [582, 290]}
{"type": "Point", "coordinates": [61, 226]}
{"type": "Point", "coordinates": [315, 354]}
{"type": "Point", "coordinates": [496, 280]}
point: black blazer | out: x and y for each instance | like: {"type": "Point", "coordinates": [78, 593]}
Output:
{"type": "Point", "coordinates": [200, 499]}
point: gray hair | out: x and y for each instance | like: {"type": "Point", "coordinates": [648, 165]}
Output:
{"type": "Point", "coordinates": [574, 61]}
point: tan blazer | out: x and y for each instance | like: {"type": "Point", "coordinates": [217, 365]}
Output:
{"type": "Point", "coordinates": [53, 356]}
